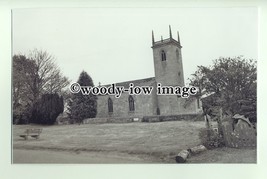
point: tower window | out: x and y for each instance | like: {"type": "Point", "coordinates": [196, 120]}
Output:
{"type": "Point", "coordinates": [177, 55]}
{"type": "Point", "coordinates": [163, 55]}
{"type": "Point", "coordinates": [110, 105]}
{"type": "Point", "coordinates": [131, 103]}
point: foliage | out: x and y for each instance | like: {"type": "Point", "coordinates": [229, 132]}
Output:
{"type": "Point", "coordinates": [226, 82]}
{"type": "Point", "coordinates": [33, 76]}
{"type": "Point", "coordinates": [248, 108]}
{"type": "Point", "coordinates": [210, 139]}
{"type": "Point", "coordinates": [22, 69]}
{"type": "Point", "coordinates": [21, 99]}
{"type": "Point", "coordinates": [21, 114]}
{"type": "Point", "coordinates": [47, 109]}
{"type": "Point", "coordinates": [82, 106]}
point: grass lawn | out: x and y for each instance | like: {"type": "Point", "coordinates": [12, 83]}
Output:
{"type": "Point", "coordinates": [120, 143]}
{"type": "Point", "coordinates": [226, 155]}
{"type": "Point", "coordinates": [161, 141]}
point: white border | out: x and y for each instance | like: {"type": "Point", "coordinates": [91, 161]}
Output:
{"type": "Point", "coordinates": [7, 170]}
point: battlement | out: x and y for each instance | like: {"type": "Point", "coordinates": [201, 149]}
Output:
{"type": "Point", "coordinates": [166, 41]}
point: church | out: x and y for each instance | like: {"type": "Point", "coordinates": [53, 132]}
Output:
{"type": "Point", "coordinates": [168, 67]}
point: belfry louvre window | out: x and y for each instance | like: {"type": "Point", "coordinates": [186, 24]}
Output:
{"type": "Point", "coordinates": [163, 55]}
{"type": "Point", "coordinates": [131, 103]}
{"type": "Point", "coordinates": [110, 105]}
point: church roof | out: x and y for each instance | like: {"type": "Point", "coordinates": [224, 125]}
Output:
{"type": "Point", "coordinates": [140, 82]}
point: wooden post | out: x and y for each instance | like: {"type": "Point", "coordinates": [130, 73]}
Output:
{"type": "Point", "coordinates": [207, 125]}
{"type": "Point", "coordinates": [219, 121]}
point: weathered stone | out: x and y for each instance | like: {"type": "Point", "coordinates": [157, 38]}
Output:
{"type": "Point", "coordinates": [168, 72]}
{"type": "Point", "coordinates": [239, 135]}
{"type": "Point", "coordinates": [197, 149]}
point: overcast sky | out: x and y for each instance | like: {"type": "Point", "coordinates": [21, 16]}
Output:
{"type": "Point", "coordinates": [114, 44]}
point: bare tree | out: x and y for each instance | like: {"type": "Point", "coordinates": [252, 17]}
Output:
{"type": "Point", "coordinates": [56, 82]}
{"type": "Point", "coordinates": [34, 76]}
{"type": "Point", "coordinates": [47, 77]}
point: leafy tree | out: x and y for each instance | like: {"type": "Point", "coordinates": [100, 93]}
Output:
{"type": "Point", "coordinates": [82, 106]}
{"type": "Point", "coordinates": [47, 109]}
{"type": "Point", "coordinates": [21, 70]}
{"type": "Point", "coordinates": [230, 82]}
{"type": "Point", "coordinates": [33, 76]}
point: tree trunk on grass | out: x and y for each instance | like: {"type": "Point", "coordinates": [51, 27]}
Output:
{"type": "Point", "coordinates": [182, 156]}
{"type": "Point", "coordinates": [197, 149]}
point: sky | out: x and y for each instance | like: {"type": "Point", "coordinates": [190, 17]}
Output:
{"type": "Point", "coordinates": [114, 44]}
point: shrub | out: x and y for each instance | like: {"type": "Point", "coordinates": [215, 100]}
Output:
{"type": "Point", "coordinates": [47, 109]}
{"type": "Point", "coordinates": [21, 114]}
{"type": "Point", "coordinates": [210, 138]}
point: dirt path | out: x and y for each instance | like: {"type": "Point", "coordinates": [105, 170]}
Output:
{"type": "Point", "coordinates": [220, 155]}
{"type": "Point", "coordinates": [60, 157]}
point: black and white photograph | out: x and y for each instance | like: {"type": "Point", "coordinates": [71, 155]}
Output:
{"type": "Point", "coordinates": [134, 85]}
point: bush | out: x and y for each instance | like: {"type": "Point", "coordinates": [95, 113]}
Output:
{"type": "Point", "coordinates": [47, 109]}
{"type": "Point", "coordinates": [21, 114]}
{"type": "Point", "coordinates": [210, 138]}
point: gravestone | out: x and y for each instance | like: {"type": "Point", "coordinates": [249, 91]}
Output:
{"type": "Point", "coordinates": [239, 135]}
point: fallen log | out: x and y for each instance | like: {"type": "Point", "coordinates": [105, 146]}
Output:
{"type": "Point", "coordinates": [197, 149]}
{"type": "Point", "coordinates": [182, 156]}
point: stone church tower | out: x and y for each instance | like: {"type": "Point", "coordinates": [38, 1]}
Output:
{"type": "Point", "coordinates": [168, 68]}
{"type": "Point", "coordinates": [168, 61]}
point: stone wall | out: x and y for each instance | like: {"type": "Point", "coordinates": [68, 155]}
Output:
{"type": "Point", "coordinates": [110, 120]}
{"type": "Point", "coordinates": [189, 105]}
{"type": "Point", "coordinates": [152, 118]}
{"type": "Point", "coordinates": [144, 105]}
{"type": "Point", "coordinates": [163, 118]}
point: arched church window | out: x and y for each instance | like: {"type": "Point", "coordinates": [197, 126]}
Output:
{"type": "Point", "coordinates": [163, 55]}
{"type": "Point", "coordinates": [158, 111]}
{"type": "Point", "coordinates": [110, 105]}
{"type": "Point", "coordinates": [131, 103]}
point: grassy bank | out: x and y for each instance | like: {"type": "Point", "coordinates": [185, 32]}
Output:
{"type": "Point", "coordinates": [161, 140]}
